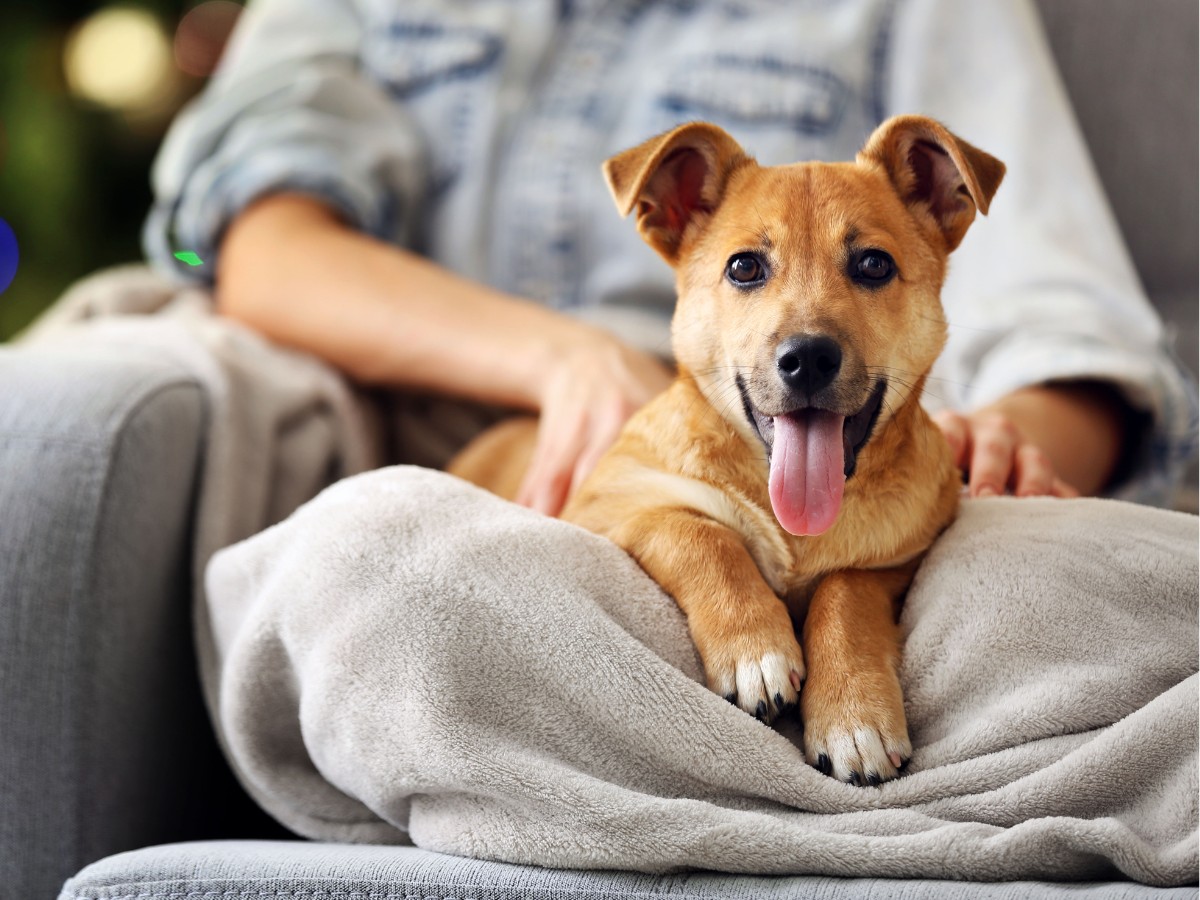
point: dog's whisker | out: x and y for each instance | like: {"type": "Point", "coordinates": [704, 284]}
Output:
{"type": "Point", "coordinates": [896, 373]}
{"type": "Point", "coordinates": [981, 329]}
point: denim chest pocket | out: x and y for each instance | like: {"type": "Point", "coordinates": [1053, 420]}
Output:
{"type": "Point", "coordinates": [779, 108]}
{"type": "Point", "coordinates": [756, 92]}
{"type": "Point", "coordinates": [443, 74]}
{"type": "Point", "coordinates": [411, 58]}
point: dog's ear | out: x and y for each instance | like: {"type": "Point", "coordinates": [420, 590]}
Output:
{"type": "Point", "coordinates": [674, 181]}
{"type": "Point", "coordinates": [934, 172]}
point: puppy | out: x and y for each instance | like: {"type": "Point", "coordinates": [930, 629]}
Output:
{"type": "Point", "coordinates": [789, 475]}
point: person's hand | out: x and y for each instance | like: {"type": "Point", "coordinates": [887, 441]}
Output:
{"type": "Point", "coordinates": [588, 394]}
{"type": "Point", "coordinates": [996, 457]}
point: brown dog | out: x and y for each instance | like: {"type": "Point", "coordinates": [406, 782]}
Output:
{"type": "Point", "coordinates": [789, 474]}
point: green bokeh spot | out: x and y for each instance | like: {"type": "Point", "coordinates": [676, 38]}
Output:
{"type": "Point", "coordinates": [187, 256]}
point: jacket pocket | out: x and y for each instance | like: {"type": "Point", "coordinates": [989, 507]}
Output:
{"type": "Point", "coordinates": [412, 58]}
{"type": "Point", "coordinates": [742, 93]}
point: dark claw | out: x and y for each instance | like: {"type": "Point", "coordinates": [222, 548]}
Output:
{"type": "Point", "coordinates": [823, 763]}
{"type": "Point", "coordinates": [904, 765]}
{"type": "Point", "coordinates": [853, 779]}
{"type": "Point", "coordinates": [779, 701]}
{"type": "Point", "coordinates": [760, 711]}
{"type": "Point", "coordinates": [732, 698]}
{"type": "Point", "coordinates": [874, 780]}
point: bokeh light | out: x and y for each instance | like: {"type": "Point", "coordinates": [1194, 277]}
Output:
{"type": "Point", "coordinates": [202, 35]}
{"type": "Point", "coordinates": [9, 255]}
{"type": "Point", "coordinates": [119, 57]}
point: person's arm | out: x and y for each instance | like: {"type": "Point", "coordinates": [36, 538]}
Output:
{"type": "Point", "coordinates": [291, 269]}
{"type": "Point", "coordinates": [291, 129]}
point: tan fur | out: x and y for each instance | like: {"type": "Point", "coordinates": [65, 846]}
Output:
{"type": "Point", "coordinates": [684, 490]}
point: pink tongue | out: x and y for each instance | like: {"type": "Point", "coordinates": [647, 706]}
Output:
{"type": "Point", "coordinates": [807, 471]}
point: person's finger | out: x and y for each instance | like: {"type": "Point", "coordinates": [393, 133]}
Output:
{"type": "Point", "coordinates": [993, 446]}
{"type": "Point", "coordinates": [558, 447]}
{"type": "Point", "coordinates": [528, 482]}
{"type": "Point", "coordinates": [957, 430]}
{"type": "Point", "coordinates": [531, 479]}
{"type": "Point", "coordinates": [550, 495]}
{"type": "Point", "coordinates": [586, 464]}
{"type": "Point", "coordinates": [1061, 489]}
{"type": "Point", "coordinates": [546, 483]}
{"type": "Point", "coordinates": [603, 436]}
{"type": "Point", "coordinates": [1033, 476]}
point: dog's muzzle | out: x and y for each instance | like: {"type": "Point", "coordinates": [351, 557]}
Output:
{"type": "Point", "coordinates": [812, 450]}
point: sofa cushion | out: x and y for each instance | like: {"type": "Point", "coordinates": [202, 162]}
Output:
{"type": "Point", "coordinates": [312, 871]}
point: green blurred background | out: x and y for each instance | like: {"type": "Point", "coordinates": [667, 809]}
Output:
{"type": "Point", "coordinates": [86, 93]}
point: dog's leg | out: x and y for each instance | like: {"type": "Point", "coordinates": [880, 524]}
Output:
{"type": "Point", "coordinates": [497, 459]}
{"type": "Point", "coordinates": [740, 627]}
{"type": "Point", "coordinates": [853, 710]}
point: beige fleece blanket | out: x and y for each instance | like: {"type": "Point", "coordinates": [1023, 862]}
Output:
{"type": "Point", "coordinates": [409, 657]}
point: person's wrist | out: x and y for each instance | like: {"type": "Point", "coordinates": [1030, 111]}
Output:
{"type": "Point", "coordinates": [1079, 425]}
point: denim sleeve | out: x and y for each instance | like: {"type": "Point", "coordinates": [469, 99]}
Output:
{"type": "Point", "coordinates": [289, 110]}
{"type": "Point", "coordinates": [1043, 288]}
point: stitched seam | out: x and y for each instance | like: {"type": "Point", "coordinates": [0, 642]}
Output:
{"type": "Point", "coordinates": [370, 894]}
{"type": "Point", "coordinates": [428, 891]}
{"type": "Point", "coordinates": [256, 895]}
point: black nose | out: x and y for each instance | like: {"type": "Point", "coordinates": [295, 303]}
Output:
{"type": "Point", "coordinates": [808, 362]}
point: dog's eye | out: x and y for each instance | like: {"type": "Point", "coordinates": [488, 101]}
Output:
{"type": "Point", "coordinates": [745, 269]}
{"type": "Point", "coordinates": [872, 268]}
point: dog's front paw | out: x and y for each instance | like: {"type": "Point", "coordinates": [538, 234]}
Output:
{"type": "Point", "coordinates": [854, 726]}
{"type": "Point", "coordinates": [760, 671]}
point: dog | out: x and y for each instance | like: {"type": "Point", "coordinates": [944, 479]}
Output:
{"type": "Point", "coordinates": [789, 477]}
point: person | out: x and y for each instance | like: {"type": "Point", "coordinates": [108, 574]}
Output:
{"type": "Point", "coordinates": [411, 191]}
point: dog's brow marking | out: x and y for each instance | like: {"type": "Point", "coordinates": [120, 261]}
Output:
{"type": "Point", "coordinates": [757, 529]}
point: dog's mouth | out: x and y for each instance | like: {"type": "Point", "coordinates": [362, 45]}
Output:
{"type": "Point", "coordinates": [812, 451]}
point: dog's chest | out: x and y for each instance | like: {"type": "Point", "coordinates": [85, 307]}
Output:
{"type": "Point", "coordinates": [864, 537]}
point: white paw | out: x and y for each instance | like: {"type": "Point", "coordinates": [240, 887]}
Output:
{"type": "Point", "coordinates": [857, 753]}
{"type": "Point", "coordinates": [765, 685]}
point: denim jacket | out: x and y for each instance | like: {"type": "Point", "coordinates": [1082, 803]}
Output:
{"type": "Point", "coordinates": [472, 131]}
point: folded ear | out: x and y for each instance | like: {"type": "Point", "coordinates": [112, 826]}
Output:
{"type": "Point", "coordinates": [935, 173]}
{"type": "Point", "coordinates": [674, 181]}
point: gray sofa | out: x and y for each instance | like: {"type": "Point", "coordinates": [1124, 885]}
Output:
{"type": "Point", "coordinates": [104, 746]}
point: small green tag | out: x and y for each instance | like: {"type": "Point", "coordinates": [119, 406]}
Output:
{"type": "Point", "coordinates": [187, 256]}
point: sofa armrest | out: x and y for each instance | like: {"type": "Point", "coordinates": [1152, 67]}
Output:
{"type": "Point", "coordinates": [103, 741]}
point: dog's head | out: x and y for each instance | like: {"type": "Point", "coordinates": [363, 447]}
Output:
{"type": "Point", "coordinates": [808, 307]}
